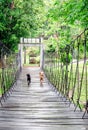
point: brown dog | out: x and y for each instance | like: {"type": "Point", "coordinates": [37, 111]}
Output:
{"type": "Point", "coordinates": [41, 75]}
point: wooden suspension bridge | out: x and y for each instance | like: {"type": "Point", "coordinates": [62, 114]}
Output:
{"type": "Point", "coordinates": [38, 107]}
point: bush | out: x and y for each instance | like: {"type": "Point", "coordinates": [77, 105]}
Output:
{"type": "Point", "coordinates": [66, 59]}
{"type": "Point", "coordinates": [32, 61]}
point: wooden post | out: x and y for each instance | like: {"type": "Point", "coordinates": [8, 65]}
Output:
{"type": "Point", "coordinates": [21, 52]}
{"type": "Point", "coordinates": [41, 53]}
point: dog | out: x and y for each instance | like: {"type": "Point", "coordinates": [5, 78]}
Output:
{"type": "Point", "coordinates": [28, 79]}
{"type": "Point", "coordinates": [41, 75]}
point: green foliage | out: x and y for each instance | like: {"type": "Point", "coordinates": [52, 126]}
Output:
{"type": "Point", "coordinates": [66, 59]}
{"type": "Point", "coordinates": [67, 18]}
{"type": "Point", "coordinates": [19, 18]}
{"type": "Point", "coordinates": [28, 18]}
{"type": "Point", "coordinates": [51, 45]}
{"type": "Point", "coordinates": [65, 55]}
{"type": "Point", "coordinates": [70, 11]}
{"type": "Point", "coordinates": [51, 48]}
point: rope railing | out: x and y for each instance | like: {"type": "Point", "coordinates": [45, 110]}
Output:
{"type": "Point", "coordinates": [68, 71]}
{"type": "Point", "coordinates": [9, 71]}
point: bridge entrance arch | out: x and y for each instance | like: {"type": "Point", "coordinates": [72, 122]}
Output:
{"type": "Point", "coordinates": [31, 42]}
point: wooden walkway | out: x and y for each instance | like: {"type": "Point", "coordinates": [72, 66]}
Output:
{"type": "Point", "coordinates": [38, 108]}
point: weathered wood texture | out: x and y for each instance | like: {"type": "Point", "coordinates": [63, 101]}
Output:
{"type": "Point", "coordinates": [38, 108]}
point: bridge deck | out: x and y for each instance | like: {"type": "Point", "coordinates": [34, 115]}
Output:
{"type": "Point", "coordinates": [38, 108]}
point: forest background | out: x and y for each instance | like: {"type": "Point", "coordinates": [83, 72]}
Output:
{"type": "Point", "coordinates": [59, 21]}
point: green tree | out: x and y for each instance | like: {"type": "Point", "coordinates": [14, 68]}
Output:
{"type": "Point", "coordinates": [19, 18]}
{"type": "Point", "coordinates": [70, 18]}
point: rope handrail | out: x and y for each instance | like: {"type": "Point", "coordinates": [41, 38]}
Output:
{"type": "Point", "coordinates": [9, 71]}
{"type": "Point", "coordinates": [68, 75]}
